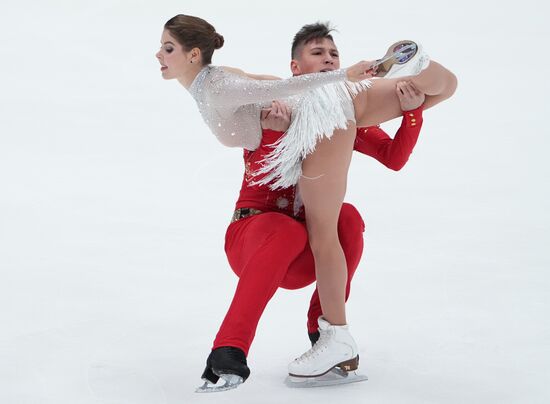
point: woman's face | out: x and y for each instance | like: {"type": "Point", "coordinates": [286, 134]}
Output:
{"type": "Point", "coordinates": [174, 60]}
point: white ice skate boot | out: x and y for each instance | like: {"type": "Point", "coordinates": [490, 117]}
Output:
{"type": "Point", "coordinates": [403, 58]}
{"type": "Point", "coordinates": [335, 348]}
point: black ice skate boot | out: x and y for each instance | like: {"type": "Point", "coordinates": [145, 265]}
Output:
{"type": "Point", "coordinates": [227, 363]}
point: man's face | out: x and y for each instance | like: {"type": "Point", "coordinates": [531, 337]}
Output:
{"type": "Point", "coordinates": [319, 55]}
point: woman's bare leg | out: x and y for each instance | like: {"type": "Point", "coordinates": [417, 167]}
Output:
{"type": "Point", "coordinates": [323, 187]}
{"type": "Point", "coordinates": [380, 103]}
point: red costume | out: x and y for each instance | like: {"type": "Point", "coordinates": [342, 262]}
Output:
{"type": "Point", "coordinates": [271, 249]}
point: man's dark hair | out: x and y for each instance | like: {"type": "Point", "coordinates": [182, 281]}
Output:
{"type": "Point", "coordinates": [308, 33]}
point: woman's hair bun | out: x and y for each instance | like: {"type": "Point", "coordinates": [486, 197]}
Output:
{"type": "Point", "coordinates": [218, 41]}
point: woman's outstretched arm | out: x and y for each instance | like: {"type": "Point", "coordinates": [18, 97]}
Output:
{"type": "Point", "coordinates": [234, 89]}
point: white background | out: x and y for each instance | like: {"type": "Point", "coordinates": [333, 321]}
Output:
{"type": "Point", "coordinates": [114, 198]}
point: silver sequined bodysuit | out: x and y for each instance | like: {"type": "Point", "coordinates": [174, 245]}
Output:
{"type": "Point", "coordinates": [230, 104]}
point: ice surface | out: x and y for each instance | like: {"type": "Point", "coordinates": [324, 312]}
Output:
{"type": "Point", "coordinates": [114, 199]}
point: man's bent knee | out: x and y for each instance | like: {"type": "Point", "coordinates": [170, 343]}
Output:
{"type": "Point", "coordinates": [350, 219]}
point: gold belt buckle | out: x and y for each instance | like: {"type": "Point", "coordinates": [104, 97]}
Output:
{"type": "Point", "coordinates": [242, 213]}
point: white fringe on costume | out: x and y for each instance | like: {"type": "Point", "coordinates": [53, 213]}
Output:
{"type": "Point", "coordinates": [316, 115]}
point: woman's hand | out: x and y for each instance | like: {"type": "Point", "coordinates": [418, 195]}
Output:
{"type": "Point", "coordinates": [361, 71]}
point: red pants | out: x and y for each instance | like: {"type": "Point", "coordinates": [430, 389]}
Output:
{"type": "Point", "coordinates": [271, 250]}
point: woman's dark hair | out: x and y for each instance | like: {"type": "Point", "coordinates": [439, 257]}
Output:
{"type": "Point", "coordinates": [308, 33]}
{"type": "Point", "coordinates": [194, 32]}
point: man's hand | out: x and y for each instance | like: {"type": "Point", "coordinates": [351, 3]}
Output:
{"type": "Point", "coordinates": [409, 96]}
{"type": "Point", "coordinates": [277, 117]}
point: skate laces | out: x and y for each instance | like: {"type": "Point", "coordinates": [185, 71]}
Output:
{"type": "Point", "coordinates": [320, 346]}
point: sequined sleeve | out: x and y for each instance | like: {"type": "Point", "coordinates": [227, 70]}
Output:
{"type": "Point", "coordinates": [232, 90]}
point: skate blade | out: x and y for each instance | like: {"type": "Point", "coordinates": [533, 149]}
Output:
{"type": "Point", "coordinates": [400, 56]}
{"type": "Point", "coordinates": [333, 378]}
{"type": "Point", "coordinates": [226, 382]}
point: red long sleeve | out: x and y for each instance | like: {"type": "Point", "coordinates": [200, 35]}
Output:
{"type": "Point", "coordinates": [393, 153]}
